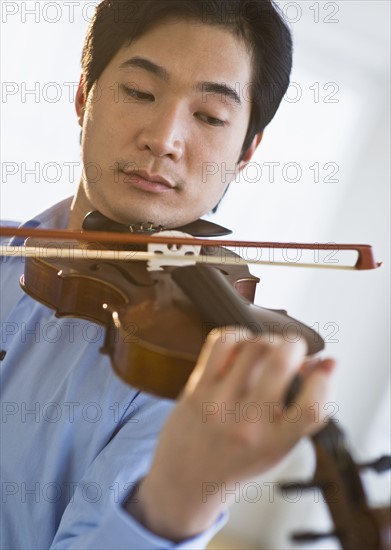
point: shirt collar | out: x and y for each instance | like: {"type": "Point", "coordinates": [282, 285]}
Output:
{"type": "Point", "coordinates": [55, 217]}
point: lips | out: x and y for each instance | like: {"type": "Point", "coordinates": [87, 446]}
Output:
{"type": "Point", "coordinates": [152, 178]}
{"type": "Point", "coordinates": [148, 182]}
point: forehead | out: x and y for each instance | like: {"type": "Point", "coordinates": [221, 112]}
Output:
{"type": "Point", "coordinates": [191, 50]}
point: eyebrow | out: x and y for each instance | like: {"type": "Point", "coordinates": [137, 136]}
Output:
{"type": "Point", "coordinates": [215, 88]}
{"type": "Point", "coordinates": [219, 89]}
{"type": "Point", "coordinates": [147, 65]}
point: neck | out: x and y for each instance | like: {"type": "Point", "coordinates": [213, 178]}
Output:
{"type": "Point", "coordinates": [79, 209]}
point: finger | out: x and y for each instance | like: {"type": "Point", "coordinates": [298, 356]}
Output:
{"type": "Point", "coordinates": [279, 366]}
{"type": "Point", "coordinates": [251, 359]}
{"type": "Point", "coordinates": [241, 369]}
{"type": "Point", "coordinates": [309, 406]}
{"type": "Point", "coordinates": [217, 354]}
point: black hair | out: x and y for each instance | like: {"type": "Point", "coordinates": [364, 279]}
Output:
{"type": "Point", "coordinates": [257, 22]}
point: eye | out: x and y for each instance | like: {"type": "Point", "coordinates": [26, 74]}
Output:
{"type": "Point", "coordinates": [138, 94]}
{"type": "Point", "coordinates": [212, 121]}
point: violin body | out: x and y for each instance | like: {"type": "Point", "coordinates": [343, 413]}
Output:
{"type": "Point", "coordinates": [157, 321]}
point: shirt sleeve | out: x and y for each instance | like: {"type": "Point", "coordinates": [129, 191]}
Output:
{"type": "Point", "coordinates": [95, 517]}
{"type": "Point", "coordinates": [120, 531]}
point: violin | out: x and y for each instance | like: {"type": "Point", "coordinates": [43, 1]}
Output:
{"type": "Point", "coordinates": [157, 315]}
{"type": "Point", "coordinates": [156, 321]}
{"type": "Point", "coordinates": [356, 524]}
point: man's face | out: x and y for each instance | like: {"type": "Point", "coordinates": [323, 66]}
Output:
{"type": "Point", "coordinates": [164, 126]}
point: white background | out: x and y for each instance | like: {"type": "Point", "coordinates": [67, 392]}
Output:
{"type": "Point", "coordinates": [336, 114]}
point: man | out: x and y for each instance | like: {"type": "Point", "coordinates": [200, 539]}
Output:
{"type": "Point", "coordinates": [164, 90]}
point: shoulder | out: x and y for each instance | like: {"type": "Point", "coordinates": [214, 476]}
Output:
{"type": "Point", "coordinates": [8, 223]}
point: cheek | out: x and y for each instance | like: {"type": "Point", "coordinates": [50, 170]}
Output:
{"type": "Point", "coordinates": [204, 156]}
{"type": "Point", "coordinates": [210, 191]}
{"type": "Point", "coordinates": [103, 115]}
{"type": "Point", "coordinates": [98, 137]}
{"type": "Point", "coordinates": [217, 171]}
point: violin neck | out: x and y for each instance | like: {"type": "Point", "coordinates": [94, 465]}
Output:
{"type": "Point", "coordinates": [217, 303]}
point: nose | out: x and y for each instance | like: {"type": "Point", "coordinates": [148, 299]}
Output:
{"type": "Point", "coordinates": [163, 133]}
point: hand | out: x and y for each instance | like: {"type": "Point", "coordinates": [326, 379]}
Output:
{"type": "Point", "coordinates": [230, 424]}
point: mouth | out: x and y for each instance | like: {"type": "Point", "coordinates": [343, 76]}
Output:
{"type": "Point", "coordinates": [152, 183]}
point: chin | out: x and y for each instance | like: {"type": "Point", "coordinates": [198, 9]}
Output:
{"type": "Point", "coordinates": [129, 216]}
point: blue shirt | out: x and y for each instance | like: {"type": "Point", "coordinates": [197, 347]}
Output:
{"type": "Point", "coordinates": [74, 438]}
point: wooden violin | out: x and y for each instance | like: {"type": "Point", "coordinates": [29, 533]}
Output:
{"type": "Point", "coordinates": [157, 316]}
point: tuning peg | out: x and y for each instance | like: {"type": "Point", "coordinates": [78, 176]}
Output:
{"type": "Point", "coordinates": [380, 465]}
{"type": "Point", "coordinates": [311, 537]}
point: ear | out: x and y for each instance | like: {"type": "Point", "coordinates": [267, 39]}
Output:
{"type": "Point", "coordinates": [80, 101]}
{"type": "Point", "coordinates": [250, 151]}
